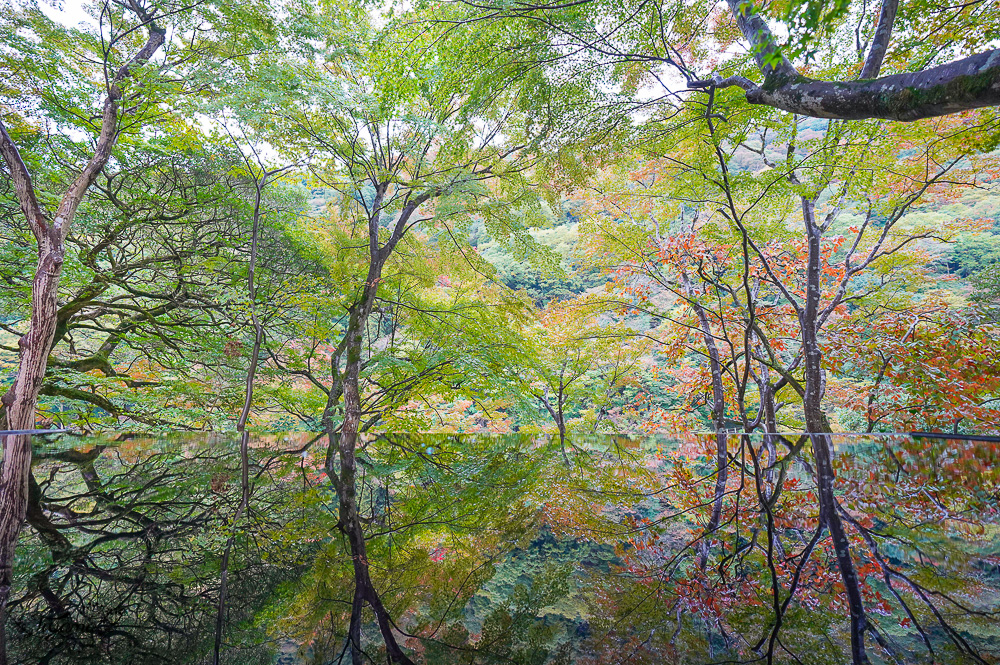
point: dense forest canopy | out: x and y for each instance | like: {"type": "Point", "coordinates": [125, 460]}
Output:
{"type": "Point", "coordinates": [558, 219]}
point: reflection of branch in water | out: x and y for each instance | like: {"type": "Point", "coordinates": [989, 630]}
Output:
{"type": "Point", "coordinates": [889, 573]}
{"type": "Point", "coordinates": [82, 580]}
{"type": "Point", "coordinates": [767, 500]}
{"type": "Point", "coordinates": [128, 572]}
{"type": "Point", "coordinates": [793, 585]}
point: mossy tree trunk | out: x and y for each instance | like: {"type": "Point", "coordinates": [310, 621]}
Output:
{"type": "Point", "coordinates": [968, 83]}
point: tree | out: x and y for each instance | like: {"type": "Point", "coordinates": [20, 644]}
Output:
{"type": "Point", "coordinates": [417, 133]}
{"type": "Point", "coordinates": [577, 362]}
{"type": "Point", "coordinates": [771, 295]}
{"type": "Point", "coordinates": [928, 367]}
{"type": "Point", "coordinates": [50, 235]}
{"type": "Point", "coordinates": [52, 72]}
{"type": "Point", "coordinates": [831, 65]}
{"type": "Point", "coordinates": [145, 334]}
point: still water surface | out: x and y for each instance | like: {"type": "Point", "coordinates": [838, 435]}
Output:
{"type": "Point", "coordinates": [500, 549]}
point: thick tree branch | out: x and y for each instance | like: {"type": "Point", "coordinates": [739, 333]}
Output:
{"type": "Point", "coordinates": [23, 186]}
{"type": "Point", "coordinates": [970, 83]}
{"type": "Point", "coordinates": [765, 50]}
{"type": "Point", "coordinates": [880, 40]}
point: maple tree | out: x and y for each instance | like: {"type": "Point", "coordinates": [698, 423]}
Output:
{"type": "Point", "coordinates": [50, 233]}
{"type": "Point", "coordinates": [576, 362]}
{"type": "Point", "coordinates": [929, 367]}
{"type": "Point", "coordinates": [772, 289]}
{"type": "Point", "coordinates": [346, 265]}
{"type": "Point", "coordinates": [410, 167]}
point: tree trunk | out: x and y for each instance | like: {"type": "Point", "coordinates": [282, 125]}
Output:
{"type": "Point", "coordinates": [21, 400]}
{"type": "Point", "coordinates": [718, 414]}
{"type": "Point", "coordinates": [560, 416]}
{"type": "Point", "coordinates": [344, 441]}
{"type": "Point", "coordinates": [769, 419]}
{"type": "Point", "coordinates": [562, 436]}
{"type": "Point", "coordinates": [819, 427]}
{"type": "Point", "coordinates": [346, 483]}
{"type": "Point", "coordinates": [260, 181]}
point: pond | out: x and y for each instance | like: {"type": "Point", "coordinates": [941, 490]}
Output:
{"type": "Point", "coordinates": [503, 549]}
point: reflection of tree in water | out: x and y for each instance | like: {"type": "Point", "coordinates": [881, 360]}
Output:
{"type": "Point", "coordinates": [921, 520]}
{"type": "Point", "coordinates": [120, 563]}
{"type": "Point", "coordinates": [492, 550]}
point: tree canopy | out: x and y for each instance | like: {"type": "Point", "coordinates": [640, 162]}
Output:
{"type": "Point", "coordinates": [759, 229]}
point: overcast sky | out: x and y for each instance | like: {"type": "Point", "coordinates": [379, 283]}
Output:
{"type": "Point", "coordinates": [67, 12]}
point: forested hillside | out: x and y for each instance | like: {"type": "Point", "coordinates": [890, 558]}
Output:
{"type": "Point", "coordinates": [555, 269]}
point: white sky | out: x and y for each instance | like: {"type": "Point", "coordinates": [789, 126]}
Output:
{"type": "Point", "coordinates": [68, 12]}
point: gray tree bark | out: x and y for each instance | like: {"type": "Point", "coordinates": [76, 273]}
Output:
{"type": "Point", "coordinates": [343, 439]}
{"type": "Point", "coordinates": [818, 426]}
{"type": "Point", "coordinates": [969, 83]}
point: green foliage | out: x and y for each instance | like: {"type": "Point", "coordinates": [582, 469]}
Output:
{"type": "Point", "coordinates": [539, 281]}
{"type": "Point", "coordinates": [149, 336]}
{"type": "Point", "coordinates": [986, 292]}
{"type": "Point", "coordinates": [973, 254]}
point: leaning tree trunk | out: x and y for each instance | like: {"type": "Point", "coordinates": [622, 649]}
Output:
{"type": "Point", "coordinates": [21, 401]}
{"type": "Point", "coordinates": [818, 427]}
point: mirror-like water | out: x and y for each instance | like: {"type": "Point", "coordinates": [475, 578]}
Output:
{"type": "Point", "coordinates": [475, 549]}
